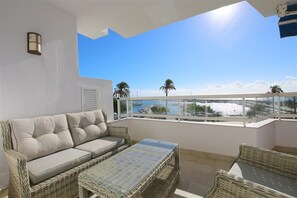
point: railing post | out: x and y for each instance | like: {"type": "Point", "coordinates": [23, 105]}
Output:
{"type": "Point", "coordinates": [205, 111]}
{"type": "Point", "coordinates": [127, 108]}
{"type": "Point", "coordinates": [119, 108]}
{"type": "Point", "coordinates": [279, 110]}
{"type": "Point", "coordinates": [178, 110]}
{"type": "Point", "coordinates": [243, 112]}
{"type": "Point", "coordinates": [131, 106]}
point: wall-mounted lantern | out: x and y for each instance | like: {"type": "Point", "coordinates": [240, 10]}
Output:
{"type": "Point", "coordinates": [34, 43]}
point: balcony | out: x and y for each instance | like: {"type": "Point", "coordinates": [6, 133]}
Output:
{"type": "Point", "coordinates": [210, 140]}
{"type": "Point", "coordinates": [51, 84]}
{"type": "Point", "coordinates": [264, 120]}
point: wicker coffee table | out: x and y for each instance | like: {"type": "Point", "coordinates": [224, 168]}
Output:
{"type": "Point", "coordinates": [149, 168]}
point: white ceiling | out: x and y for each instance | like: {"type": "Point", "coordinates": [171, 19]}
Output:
{"type": "Point", "coordinates": [131, 17]}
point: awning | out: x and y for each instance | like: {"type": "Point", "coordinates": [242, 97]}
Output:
{"type": "Point", "coordinates": [288, 23]}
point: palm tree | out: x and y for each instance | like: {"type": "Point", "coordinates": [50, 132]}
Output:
{"type": "Point", "coordinates": [168, 85]}
{"type": "Point", "coordinates": [121, 90]}
{"type": "Point", "coordinates": [276, 89]}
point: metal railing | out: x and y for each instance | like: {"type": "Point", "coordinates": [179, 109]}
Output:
{"type": "Point", "coordinates": [245, 108]}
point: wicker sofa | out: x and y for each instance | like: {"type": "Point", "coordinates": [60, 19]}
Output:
{"type": "Point", "coordinates": [46, 154]}
{"type": "Point", "coordinates": [257, 173]}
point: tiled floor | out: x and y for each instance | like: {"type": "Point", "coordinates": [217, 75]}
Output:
{"type": "Point", "coordinates": [197, 173]}
{"type": "Point", "coordinates": [3, 193]}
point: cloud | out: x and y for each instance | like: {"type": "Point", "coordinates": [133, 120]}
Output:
{"type": "Point", "coordinates": [289, 84]}
{"type": "Point", "coordinates": [151, 92]}
{"type": "Point", "coordinates": [145, 92]}
{"type": "Point", "coordinates": [291, 77]}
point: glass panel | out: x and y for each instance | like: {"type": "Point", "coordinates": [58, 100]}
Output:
{"type": "Point", "coordinates": [123, 104]}
{"type": "Point", "coordinates": [159, 107]}
{"type": "Point", "coordinates": [38, 38]}
{"type": "Point", "coordinates": [32, 38]}
{"type": "Point", "coordinates": [288, 105]}
{"type": "Point", "coordinates": [225, 107]}
{"type": "Point", "coordinates": [39, 48]}
{"type": "Point", "coordinates": [215, 109]}
{"type": "Point", "coordinates": [260, 107]}
{"type": "Point", "coordinates": [32, 46]}
{"type": "Point", "coordinates": [193, 107]}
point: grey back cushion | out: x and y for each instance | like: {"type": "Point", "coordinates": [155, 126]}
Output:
{"type": "Point", "coordinates": [40, 136]}
{"type": "Point", "coordinates": [86, 126]}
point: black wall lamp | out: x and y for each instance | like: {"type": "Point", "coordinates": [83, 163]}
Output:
{"type": "Point", "coordinates": [34, 43]}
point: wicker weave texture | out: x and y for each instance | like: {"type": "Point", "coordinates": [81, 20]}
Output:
{"type": "Point", "coordinates": [6, 135]}
{"type": "Point", "coordinates": [130, 172]}
{"type": "Point", "coordinates": [118, 131]}
{"type": "Point", "coordinates": [163, 184]}
{"type": "Point", "coordinates": [229, 185]}
{"type": "Point", "coordinates": [64, 185]}
{"type": "Point", "coordinates": [279, 163]}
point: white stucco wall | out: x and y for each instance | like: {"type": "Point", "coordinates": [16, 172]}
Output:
{"type": "Point", "coordinates": [105, 93]}
{"type": "Point", "coordinates": [266, 134]}
{"type": "Point", "coordinates": [34, 85]}
{"type": "Point", "coordinates": [49, 84]}
{"type": "Point", "coordinates": [215, 138]}
{"type": "Point", "coordinates": [286, 133]}
{"type": "Point", "coordinates": [205, 137]}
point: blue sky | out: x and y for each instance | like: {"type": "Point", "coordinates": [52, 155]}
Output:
{"type": "Point", "coordinates": [231, 50]}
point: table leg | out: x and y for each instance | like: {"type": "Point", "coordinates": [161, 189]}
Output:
{"type": "Point", "coordinates": [83, 193]}
{"type": "Point", "coordinates": [176, 159]}
{"type": "Point", "coordinates": [176, 163]}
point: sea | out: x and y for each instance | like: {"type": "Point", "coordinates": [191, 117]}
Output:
{"type": "Point", "coordinates": [222, 107]}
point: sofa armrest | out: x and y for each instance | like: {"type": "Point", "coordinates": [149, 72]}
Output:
{"type": "Point", "coordinates": [276, 162]}
{"type": "Point", "coordinates": [121, 132]}
{"type": "Point", "coordinates": [230, 185]}
{"type": "Point", "coordinates": [18, 174]}
{"type": "Point", "coordinates": [6, 135]}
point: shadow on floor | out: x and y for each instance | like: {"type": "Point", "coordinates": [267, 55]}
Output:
{"type": "Point", "coordinates": [198, 173]}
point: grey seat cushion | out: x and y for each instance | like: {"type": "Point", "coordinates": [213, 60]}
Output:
{"type": "Point", "coordinates": [100, 146]}
{"type": "Point", "coordinates": [40, 136]}
{"type": "Point", "coordinates": [87, 126]}
{"type": "Point", "coordinates": [46, 167]}
{"type": "Point", "coordinates": [265, 178]}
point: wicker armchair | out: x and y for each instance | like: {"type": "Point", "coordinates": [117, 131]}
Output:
{"type": "Point", "coordinates": [282, 165]}
{"type": "Point", "coordinates": [64, 185]}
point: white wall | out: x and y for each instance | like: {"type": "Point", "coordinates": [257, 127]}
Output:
{"type": "Point", "coordinates": [266, 134]}
{"type": "Point", "coordinates": [286, 133]}
{"type": "Point", "coordinates": [105, 93]}
{"type": "Point", "coordinates": [213, 138]}
{"type": "Point", "coordinates": [205, 137]}
{"type": "Point", "coordinates": [32, 85]}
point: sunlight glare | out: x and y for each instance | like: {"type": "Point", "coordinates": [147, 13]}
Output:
{"type": "Point", "coordinates": [224, 16]}
{"type": "Point", "coordinates": [186, 194]}
{"type": "Point", "coordinates": [224, 13]}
